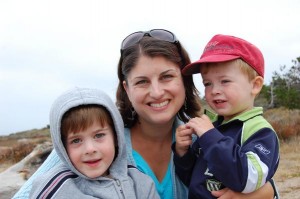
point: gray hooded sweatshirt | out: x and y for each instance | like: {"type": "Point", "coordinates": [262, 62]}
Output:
{"type": "Point", "coordinates": [65, 181]}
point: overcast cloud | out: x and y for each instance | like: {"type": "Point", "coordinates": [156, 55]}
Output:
{"type": "Point", "coordinates": [49, 46]}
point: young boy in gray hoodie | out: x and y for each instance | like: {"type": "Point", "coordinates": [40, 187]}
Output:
{"type": "Point", "coordinates": [87, 133]}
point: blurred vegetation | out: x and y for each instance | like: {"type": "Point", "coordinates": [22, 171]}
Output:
{"type": "Point", "coordinates": [16, 146]}
{"type": "Point", "coordinates": [44, 132]}
{"type": "Point", "coordinates": [284, 89]}
{"type": "Point", "coordinates": [286, 122]}
{"type": "Point", "coordinates": [281, 100]}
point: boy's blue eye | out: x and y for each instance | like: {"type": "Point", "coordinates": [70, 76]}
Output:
{"type": "Point", "coordinates": [225, 81]}
{"type": "Point", "coordinates": [99, 135]}
{"type": "Point", "coordinates": [75, 141]}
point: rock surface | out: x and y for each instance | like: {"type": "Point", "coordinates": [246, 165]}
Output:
{"type": "Point", "coordinates": [15, 176]}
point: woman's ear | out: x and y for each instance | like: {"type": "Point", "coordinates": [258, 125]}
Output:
{"type": "Point", "coordinates": [257, 85]}
{"type": "Point", "coordinates": [125, 86]}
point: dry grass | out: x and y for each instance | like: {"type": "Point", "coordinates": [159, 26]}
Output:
{"type": "Point", "coordinates": [287, 176]}
{"type": "Point", "coordinates": [289, 166]}
{"type": "Point", "coordinates": [15, 147]}
{"type": "Point", "coordinates": [287, 126]}
{"type": "Point", "coordinates": [285, 122]}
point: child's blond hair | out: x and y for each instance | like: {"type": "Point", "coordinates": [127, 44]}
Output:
{"type": "Point", "coordinates": [245, 68]}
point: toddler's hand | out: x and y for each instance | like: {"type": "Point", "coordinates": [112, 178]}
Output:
{"type": "Point", "coordinates": [200, 124]}
{"type": "Point", "coordinates": [183, 139]}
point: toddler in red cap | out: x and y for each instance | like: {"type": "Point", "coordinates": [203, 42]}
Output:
{"type": "Point", "coordinates": [240, 149]}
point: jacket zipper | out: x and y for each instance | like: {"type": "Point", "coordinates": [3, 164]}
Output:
{"type": "Point", "coordinates": [120, 187]}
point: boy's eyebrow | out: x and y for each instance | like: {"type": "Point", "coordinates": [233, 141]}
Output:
{"type": "Point", "coordinates": [101, 129]}
{"type": "Point", "coordinates": [72, 135]}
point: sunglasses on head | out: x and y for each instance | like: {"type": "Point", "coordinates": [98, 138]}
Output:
{"type": "Point", "coordinates": [160, 34]}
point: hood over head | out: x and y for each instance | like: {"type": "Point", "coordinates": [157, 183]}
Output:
{"type": "Point", "coordinates": [87, 96]}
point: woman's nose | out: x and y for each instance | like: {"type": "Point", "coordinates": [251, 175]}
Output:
{"type": "Point", "coordinates": [156, 90]}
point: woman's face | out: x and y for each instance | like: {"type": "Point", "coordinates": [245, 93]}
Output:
{"type": "Point", "coordinates": [156, 90]}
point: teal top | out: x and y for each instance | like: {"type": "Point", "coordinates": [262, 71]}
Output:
{"type": "Point", "coordinates": [164, 188]}
{"type": "Point", "coordinates": [171, 186]}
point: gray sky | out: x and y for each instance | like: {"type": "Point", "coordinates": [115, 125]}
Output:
{"type": "Point", "coordinates": [49, 46]}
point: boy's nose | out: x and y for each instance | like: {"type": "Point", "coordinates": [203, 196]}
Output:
{"type": "Point", "coordinates": [90, 147]}
{"type": "Point", "coordinates": [216, 89]}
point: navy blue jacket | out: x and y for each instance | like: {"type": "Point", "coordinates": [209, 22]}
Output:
{"type": "Point", "coordinates": [241, 154]}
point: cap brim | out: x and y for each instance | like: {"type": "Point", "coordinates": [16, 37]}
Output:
{"type": "Point", "coordinates": [194, 67]}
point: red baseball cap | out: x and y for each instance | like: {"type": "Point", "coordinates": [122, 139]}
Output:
{"type": "Point", "coordinates": [223, 48]}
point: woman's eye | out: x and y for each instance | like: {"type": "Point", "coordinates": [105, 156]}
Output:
{"type": "Point", "coordinates": [141, 82]}
{"type": "Point", "coordinates": [206, 84]}
{"type": "Point", "coordinates": [167, 76]}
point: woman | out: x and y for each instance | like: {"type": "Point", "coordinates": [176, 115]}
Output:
{"type": "Point", "coordinates": [151, 93]}
{"type": "Point", "coordinates": [153, 99]}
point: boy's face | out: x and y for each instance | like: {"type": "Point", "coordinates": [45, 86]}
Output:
{"type": "Point", "coordinates": [93, 150]}
{"type": "Point", "coordinates": [228, 91]}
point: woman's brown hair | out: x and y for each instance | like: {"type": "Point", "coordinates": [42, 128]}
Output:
{"type": "Point", "coordinates": [174, 52]}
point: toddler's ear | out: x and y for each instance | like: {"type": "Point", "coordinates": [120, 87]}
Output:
{"type": "Point", "coordinates": [258, 83]}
